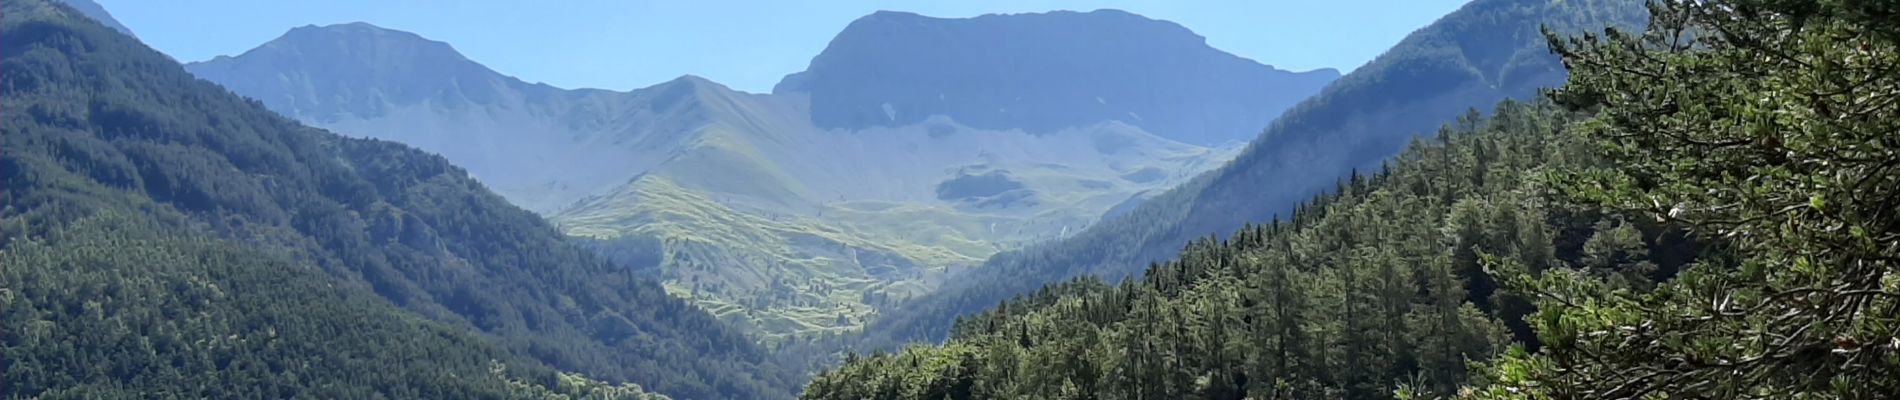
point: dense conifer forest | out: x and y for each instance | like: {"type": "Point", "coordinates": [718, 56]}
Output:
{"type": "Point", "coordinates": [1380, 281]}
{"type": "Point", "coordinates": [1707, 207]}
{"type": "Point", "coordinates": [162, 235]}
{"type": "Point", "coordinates": [1705, 210]}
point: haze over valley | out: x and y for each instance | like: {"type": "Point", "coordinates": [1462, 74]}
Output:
{"type": "Point", "coordinates": [1514, 199]}
{"type": "Point", "coordinates": [804, 208]}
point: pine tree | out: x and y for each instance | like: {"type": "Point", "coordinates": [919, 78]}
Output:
{"type": "Point", "coordinates": [1765, 125]}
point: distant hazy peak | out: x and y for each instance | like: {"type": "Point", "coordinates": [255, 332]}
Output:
{"type": "Point", "coordinates": [359, 41]}
{"type": "Point", "coordinates": [319, 73]}
{"type": "Point", "coordinates": [98, 13]}
{"type": "Point", "coordinates": [1041, 72]}
{"type": "Point", "coordinates": [1104, 14]}
{"type": "Point", "coordinates": [690, 80]}
{"type": "Point", "coordinates": [887, 22]}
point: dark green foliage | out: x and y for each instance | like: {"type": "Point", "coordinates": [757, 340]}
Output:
{"type": "Point", "coordinates": [1764, 128]}
{"type": "Point", "coordinates": [308, 234]}
{"type": "Point", "coordinates": [1774, 127]}
{"type": "Point", "coordinates": [1379, 282]}
{"type": "Point", "coordinates": [111, 306]}
{"type": "Point", "coordinates": [1485, 52]}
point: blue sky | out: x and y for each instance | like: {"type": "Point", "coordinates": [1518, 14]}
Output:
{"type": "Point", "coordinates": [748, 45]}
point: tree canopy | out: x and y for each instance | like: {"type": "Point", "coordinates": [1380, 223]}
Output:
{"type": "Point", "coordinates": [1769, 126]}
{"type": "Point", "coordinates": [1706, 209]}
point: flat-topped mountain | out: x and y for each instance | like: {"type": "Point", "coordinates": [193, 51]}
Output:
{"type": "Point", "coordinates": [1043, 72]}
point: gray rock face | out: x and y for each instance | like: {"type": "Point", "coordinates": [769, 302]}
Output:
{"type": "Point", "coordinates": [1044, 72]}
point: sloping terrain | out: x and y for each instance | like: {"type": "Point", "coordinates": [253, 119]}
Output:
{"type": "Point", "coordinates": [1484, 52]}
{"type": "Point", "coordinates": [162, 235]}
{"type": "Point", "coordinates": [1645, 233]}
{"type": "Point", "coordinates": [760, 212]}
{"type": "Point", "coordinates": [98, 14]}
{"type": "Point", "coordinates": [1363, 287]}
{"type": "Point", "coordinates": [820, 256]}
{"type": "Point", "coordinates": [541, 147]}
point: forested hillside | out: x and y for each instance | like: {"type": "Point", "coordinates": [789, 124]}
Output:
{"type": "Point", "coordinates": [162, 235]}
{"type": "Point", "coordinates": [1774, 128]}
{"type": "Point", "coordinates": [1379, 281]}
{"type": "Point", "coordinates": [1484, 52]}
{"type": "Point", "coordinates": [1707, 210]}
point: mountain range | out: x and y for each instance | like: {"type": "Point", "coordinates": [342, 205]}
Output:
{"type": "Point", "coordinates": [163, 236]}
{"type": "Point", "coordinates": [776, 210]}
{"type": "Point", "coordinates": [1486, 51]}
{"type": "Point", "coordinates": [1623, 223]}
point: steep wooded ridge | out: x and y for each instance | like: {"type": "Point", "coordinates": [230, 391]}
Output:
{"type": "Point", "coordinates": [162, 235]}
{"type": "Point", "coordinates": [1359, 288]}
{"type": "Point", "coordinates": [1486, 51]}
{"type": "Point", "coordinates": [1705, 210]}
{"type": "Point", "coordinates": [751, 206]}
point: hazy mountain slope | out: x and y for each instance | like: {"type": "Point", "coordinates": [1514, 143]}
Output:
{"type": "Point", "coordinates": [541, 147]}
{"type": "Point", "coordinates": [800, 229]}
{"type": "Point", "coordinates": [1044, 72]}
{"type": "Point", "coordinates": [1484, 52]}
{"type": "Point", "coordinates": [758, 214]}
{"type": "Point", "coordinates": [285, 241]}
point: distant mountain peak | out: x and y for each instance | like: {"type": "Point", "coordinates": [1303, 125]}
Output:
{"type": "Point", "coordinates": [694, 80]}
{"type": "Point", "coordinates": [1097, 13]}
{"type": "Point", "coordinates": [358, 29]}
{"type": "Point", "coordinates": [356, 69]}
{"type": "Point", "coordinates": [891, 14]}
{"type": "Point", "coordinates": [98, 13]}
{"type": "Point", "coordinates": [1042, 72]}
{"type": "Point", "coordinates": [364, 40]}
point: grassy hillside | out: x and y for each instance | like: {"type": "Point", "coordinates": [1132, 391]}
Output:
{"type": "Point", "coordinates": [773, 223]}
{"type": "Point", "coordinates": [786, 273]}
{"type": "Point", "coordinates": [306, 261]}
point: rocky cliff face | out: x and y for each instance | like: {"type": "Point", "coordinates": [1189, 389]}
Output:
{"type": "Point", "coordinates": [1044, 72]}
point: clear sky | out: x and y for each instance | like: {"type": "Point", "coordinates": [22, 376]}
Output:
{"type": "Point", "coordinates": [748, 45]}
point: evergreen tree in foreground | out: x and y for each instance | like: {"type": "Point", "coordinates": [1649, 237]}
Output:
{"type": "Point", "coordinates": [1770, 126]}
